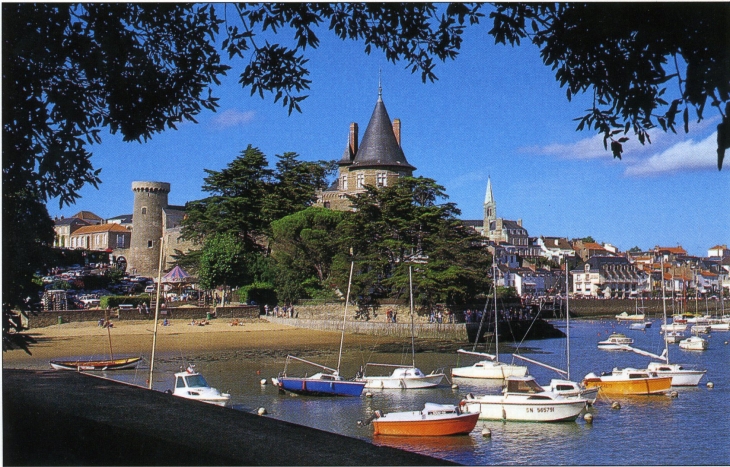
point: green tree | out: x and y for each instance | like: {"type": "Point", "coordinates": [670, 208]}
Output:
{"type": "Point", "coordinates": [303, 246]}
{"type": "Point", "coordinates": [390, 226]}
{"type": "Point", "coordinates": [222, 262]}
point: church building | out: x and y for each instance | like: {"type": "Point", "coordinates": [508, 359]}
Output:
{"type": "Point", "coordinates": [377, 160]}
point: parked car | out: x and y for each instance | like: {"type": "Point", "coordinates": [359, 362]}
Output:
{"type": "Point", "coordinates": [150, 289]}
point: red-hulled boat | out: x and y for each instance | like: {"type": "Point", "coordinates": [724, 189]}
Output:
{"type": "Point", "coordinates": [433, 420]}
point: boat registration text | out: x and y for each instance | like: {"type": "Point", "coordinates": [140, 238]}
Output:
{"type": "Point", "coordinates": [540, 409]}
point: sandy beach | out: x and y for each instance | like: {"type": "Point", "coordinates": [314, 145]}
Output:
{"type": "Point", "coordinates": [135, 338]}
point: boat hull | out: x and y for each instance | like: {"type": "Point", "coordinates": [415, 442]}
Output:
{"type": "Point", "coordinates": [96, 365]}
{"type": "Point", "coordinates": [454, 425]}
{"type": "Point", "coordinates": [630, 387]}
{"type": "Point", "coordinates": [388, 382]}
{"type": "Point", "coordinates": [308, 387]}
{"type": "Point", "coordinates": [695, 344]}
{"type": "Point", "coordinates": [489, 370]}
{"type": "Point", "coordinates": [501, 407]}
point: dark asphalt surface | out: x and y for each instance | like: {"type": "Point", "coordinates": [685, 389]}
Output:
{"type": "Point", "coordinates": [68, 418]}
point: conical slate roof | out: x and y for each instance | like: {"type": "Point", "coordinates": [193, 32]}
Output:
{"type": "Point", "coordinates": [379, 148]}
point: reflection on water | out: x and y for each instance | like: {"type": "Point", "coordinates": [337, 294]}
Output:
{"type": "Point", "coordinates": [688, 430]}
{"type": "Point", "coordinates": [436, 446]}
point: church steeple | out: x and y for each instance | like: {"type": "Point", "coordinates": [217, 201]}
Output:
{"type": "Point", "coordinates": [490, 206]}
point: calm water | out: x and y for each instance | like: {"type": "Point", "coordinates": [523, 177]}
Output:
{"type": "Point", "coordinates": [692, 429]}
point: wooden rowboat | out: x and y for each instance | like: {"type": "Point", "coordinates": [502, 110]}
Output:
{"type": "Point", "coordinates": [96, 365]}
{"type": "Point", "coordinates": [433, 420]}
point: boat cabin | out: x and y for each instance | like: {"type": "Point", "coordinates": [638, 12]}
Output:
{"type": "Point", "coordinates": [526, 385]}
{"type": "Point", "coordinates": [408, 373]}
{"type": "Point", "coordinates": [190, 380]}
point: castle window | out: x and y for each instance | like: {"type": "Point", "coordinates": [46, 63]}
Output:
{"type": "Point", "coordinates": [360, 180]}
{"type": "Point", "coordinates": [327, 204]}
{"type": "Point", "coordinates": [120, 241]}
{"type": "Point", "coordinates": [344, 182]}
{"type": "Point", "coordinates": [149, 243]}
{"type": "Point", "coordinates": [144, 210]}
{"type": "Point", "coordinates": [382, 179]}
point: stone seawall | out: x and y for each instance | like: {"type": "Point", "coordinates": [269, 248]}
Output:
{"type": "Point", "coordinates": [455, 332]}
{"type": "Point", "coordinates": [50, 318]}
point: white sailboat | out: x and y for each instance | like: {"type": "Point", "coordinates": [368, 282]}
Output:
{"type": "Point", "coordinates": [489, 367]}
{"type": "Point", "coordinates": [403, 376]}
{"type": "Point", "coordinates": [566, 387]}
{"type": "Point", "coordinates": [523, 399]}
{"type": "Point", "coordinates": [681, 376]}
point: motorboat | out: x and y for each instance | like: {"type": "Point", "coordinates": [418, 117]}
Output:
{"type": "Point", "coordinates": [693, 343]}
{"type": "Point", "coordinates": [523, 399]}
{"type": "Point", "coordinates": [700, 329]}
{"type": "Point", "coordinates": [680, 375]}
{"type": "Point", "coordinates": [572, 389]}
{"type": "Point", "coordinates": [190, 384]}
{"type": "Point", "coordinates": [640, 326]}
{"type": "Point", "coordinates": [719, 326]}
{"type": "Point", "coordinates": [672, 337]}
{"type": "Point", "coordinates": [629, 381]}
{"type": "Point", "coordinates": [402, 377]}
{"type": "Point", "coordinates": [323, 383]}
{"type": "Point", "coordinates": [433, 420]}
{"type": "Point", "coordinates": [616, 341]}
{"type": "Point", "coordinates": [675, 327]}
{"type": "Point", "coordinates": [96, 365]}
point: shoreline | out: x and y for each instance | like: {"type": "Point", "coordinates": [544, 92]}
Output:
{"type": "Point", "coordinates": [132, 338]}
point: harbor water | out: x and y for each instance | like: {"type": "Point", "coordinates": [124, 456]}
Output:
{"type": "Point", "coordinates": [692, 428]}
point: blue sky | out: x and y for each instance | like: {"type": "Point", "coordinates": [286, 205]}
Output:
{"type": "Point", "coordinates": [496, 111]}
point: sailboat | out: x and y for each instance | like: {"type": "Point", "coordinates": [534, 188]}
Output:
{"type": "Point", "coordinates": [489, 367]}
{"type": "Point", "coordinates": [523, 399]}
{"type": "Point", "coordinates": [402, 376]}
{"type": "Point", "coordinates": [566, 387]}
{"type": "Point", "coordinates": [98, 365]}
{"type": "Point", "coordinates": [681, 376]}
{"type": "Point", "coordinates": [324, 383]}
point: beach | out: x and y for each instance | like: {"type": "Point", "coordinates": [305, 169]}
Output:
{"type": "Point", "coordinates": [134, 337]}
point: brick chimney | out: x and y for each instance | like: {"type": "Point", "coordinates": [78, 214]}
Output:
{"type": "Point", "coordinates": [353, 139]}
{"type": "Point", "coordinates": [396, 130]}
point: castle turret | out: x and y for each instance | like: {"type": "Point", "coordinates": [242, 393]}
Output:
{"type": "Point", "coordinates": [150, 198]}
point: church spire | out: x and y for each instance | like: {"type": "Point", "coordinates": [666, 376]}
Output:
{"type": "Point", "coordinates": [490, 207]}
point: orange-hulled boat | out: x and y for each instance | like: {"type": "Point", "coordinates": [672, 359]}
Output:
{"type": "Point", "coordinates": [629, 382]}
{"type": "Point", "coordinates": [433, 420]}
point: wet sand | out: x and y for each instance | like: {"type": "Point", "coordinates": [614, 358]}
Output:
{"type": "Point", "coordinates": [130, 338]}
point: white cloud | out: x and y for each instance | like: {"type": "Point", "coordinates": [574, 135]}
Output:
{"type": "Point", "coordinates": [684, 156]}
{"type": "Point", "coordinates": [231, 118]}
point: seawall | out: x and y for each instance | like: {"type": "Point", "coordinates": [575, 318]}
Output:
{"type": "Point", "coordinates": [69, 418]}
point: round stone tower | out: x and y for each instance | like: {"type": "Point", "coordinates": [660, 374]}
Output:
{"type": "Point", "coordinates": [150, 198]}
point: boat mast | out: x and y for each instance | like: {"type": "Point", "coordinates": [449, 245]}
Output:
{"type": "Point", "coordinates": [496, 314]}
{"type": "Point", "coordinates": [664, 306]}
{"type": "Point", "coordinates": [157, 311]}
{"type": "Point", "coordinates": [413, 343]}
{"type": "Point", "coordinates": [567, 317]}
{"type": "Point", "coordinates": [109, 333]}
{"type": "Point", "coordinates": [344, 317]}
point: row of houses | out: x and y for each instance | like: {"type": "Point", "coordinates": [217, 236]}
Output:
{"type": "Point", "coordinates": [609, 273]}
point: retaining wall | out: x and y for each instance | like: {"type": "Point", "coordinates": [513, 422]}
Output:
{"type": "Point", "coordinates": [49, 318]}
{"type": "Point", "coordinates": [379, 328]}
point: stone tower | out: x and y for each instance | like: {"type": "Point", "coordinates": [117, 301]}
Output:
{"type": "Point", "coordinates": [150, 199]}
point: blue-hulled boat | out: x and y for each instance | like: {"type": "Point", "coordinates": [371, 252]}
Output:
{"type": "Point", "coordinates": [322, 384]}
{"type": "Point", "coordinates": [328, 383]}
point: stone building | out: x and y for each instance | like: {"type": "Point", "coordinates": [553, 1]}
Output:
{"type": "Point", "coordinates": [100, 237]}
{"type": "Point", "coordinates": [152, 217]}
{"type": "Point", "coordinates": [63, 228]}
{"type": "Point", "coordinates": [378, 160]}
{"type": "Point", "coordinates": [609, 277]}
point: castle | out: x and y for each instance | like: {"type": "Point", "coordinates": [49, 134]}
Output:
{"type": "Point", "coordinates": [378, 160]}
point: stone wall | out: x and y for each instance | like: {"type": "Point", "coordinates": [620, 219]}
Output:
{"type": "Point", "coordinates": [380, 328]}
{"type": "Point", "coordinates": [50, 318]}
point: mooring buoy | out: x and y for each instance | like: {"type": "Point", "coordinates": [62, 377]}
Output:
{"type": "Point", "coordinates": [588, 418]}
{"type": "Point", "coordinates": [616, 405]}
